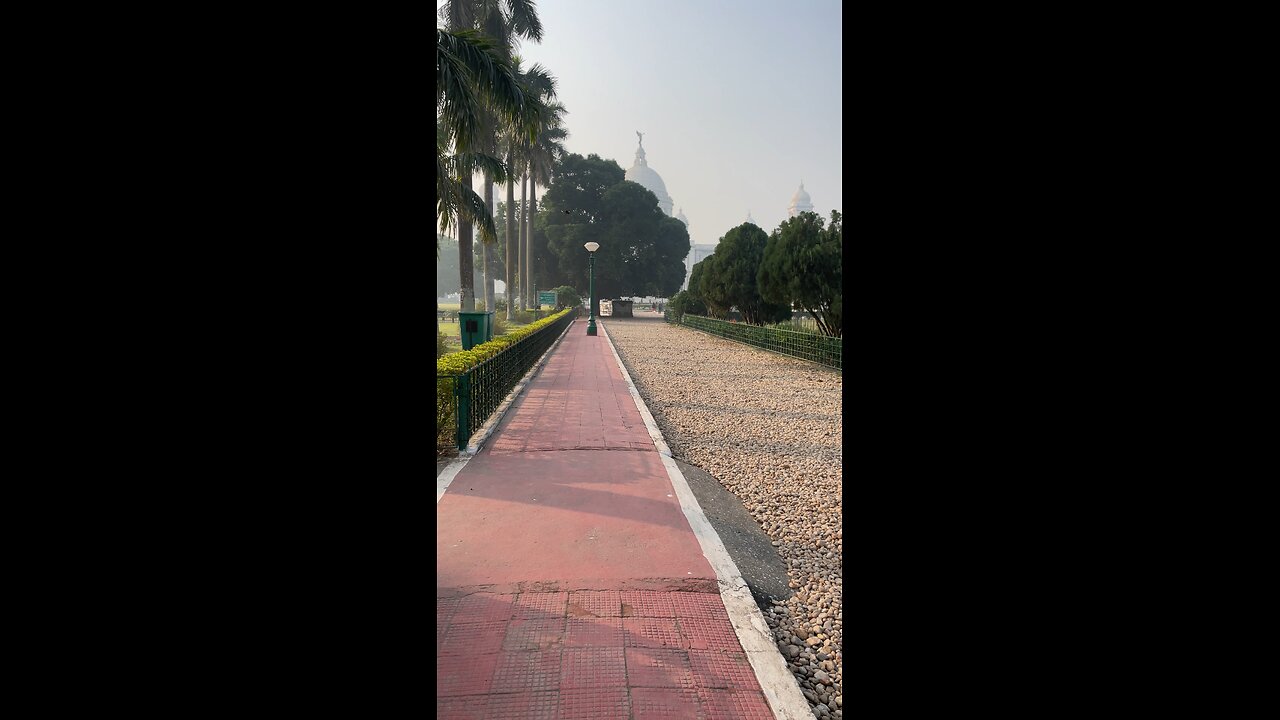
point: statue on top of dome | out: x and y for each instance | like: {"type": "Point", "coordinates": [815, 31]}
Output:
{"type": "Point", "coordinates": [641, 136]}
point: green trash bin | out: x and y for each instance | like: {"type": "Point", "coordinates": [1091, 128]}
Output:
{"type": "Point", "coordinates": [475, 328]}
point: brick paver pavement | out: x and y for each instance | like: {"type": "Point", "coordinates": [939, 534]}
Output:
{"type": "Point", "coordinates": [569, 583]}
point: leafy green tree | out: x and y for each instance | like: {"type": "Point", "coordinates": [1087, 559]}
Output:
{"type": "Point", "coordinates": [730, 279]}
{"type": "Point", "coordinates": [626, 260]}
{"type": "Point", "coordinates": [695, 286]}
{"type": "Point", "coordinates": [686, 302]}
{"type": "Point", "coordinates": [573, 214]}
{"type": "Point", "coordinates": [567, 296]}
{"type": "Point", "coordinates": [670, 249]}
{"type": "Point", "coordinates": [580, 186]}
{"type": "Point", "coordinates": [642, 250]}
{"type": "Point", "coordinates": [802, 264]}
{"type": "Point", "coordinates": [711, 288]}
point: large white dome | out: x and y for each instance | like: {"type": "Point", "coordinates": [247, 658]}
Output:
{"type": "Point", "coordinates": [641, 173]}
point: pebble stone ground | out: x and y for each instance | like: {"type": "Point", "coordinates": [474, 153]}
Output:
{"type": "Point", "coordinates": [768, 427]}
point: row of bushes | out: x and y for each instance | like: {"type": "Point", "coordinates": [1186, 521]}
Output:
{"type": "Point", "coordinates": [457, 363]}
{"type": "Point", "coordinates": [811, 346]}
{"type": "Point", "coordinates": [463, 360]}
{"type": "Point", "coordinates": [501, 326]}
{"type": "Point", "coordinates": [763, 276]}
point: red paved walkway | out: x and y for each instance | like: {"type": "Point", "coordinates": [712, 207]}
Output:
{"type": "Point", "coordinates": [568, 581]}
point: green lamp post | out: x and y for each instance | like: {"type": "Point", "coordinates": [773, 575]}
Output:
{"type": "Point", "coordinates": [591, 321]}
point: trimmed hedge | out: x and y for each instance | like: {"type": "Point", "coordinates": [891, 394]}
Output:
{"type": "Point", "coordinates": [457, 363]}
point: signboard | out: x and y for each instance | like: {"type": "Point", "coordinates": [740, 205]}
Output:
{"type": "Point", "coordinates": [546, 299]}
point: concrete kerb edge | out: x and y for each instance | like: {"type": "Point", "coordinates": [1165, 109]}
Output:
{"type": "Point", "coordinates": [780, 687]}
{"type": "Point", "coordinates": [479, 437]}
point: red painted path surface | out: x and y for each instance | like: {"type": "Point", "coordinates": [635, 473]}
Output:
{"type": "Point", "coordinates": [568, 582]}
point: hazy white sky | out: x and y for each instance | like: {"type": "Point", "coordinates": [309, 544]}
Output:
{"type": "Point", "coordinates": [738, 100]}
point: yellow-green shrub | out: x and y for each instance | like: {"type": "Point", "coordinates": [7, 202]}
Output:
{"type": "Point", "coordinates": [458, 363]}
{"type": "Point", "coordinates": [462, 361]}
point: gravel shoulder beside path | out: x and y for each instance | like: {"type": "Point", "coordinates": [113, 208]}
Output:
{"type": "Point", "coordinates": [764, 571]}
{"type": "Point", "coordinates": [768, 428]}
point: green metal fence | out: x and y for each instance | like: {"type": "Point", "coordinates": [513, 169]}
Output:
{"type": "Point", "coordinates": [465, 402]}
{"type": "Point", "coordinates": [806, 346]}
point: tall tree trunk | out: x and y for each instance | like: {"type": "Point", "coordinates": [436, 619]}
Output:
{"type": "Point", "coordinates": [511, 263]}
{"type": "Point", "coordinates": [533, 209]}
{"type": "Point", "coordinates": [524, 239]}
{"type": "Point", "coordinates": [433, 227]}
{"type": "Point", "coordinates": [815, 313]}
{"type": "Point", "coordinates": [466, 271]}
{"type": "Point", "coordinates": [487, 248]}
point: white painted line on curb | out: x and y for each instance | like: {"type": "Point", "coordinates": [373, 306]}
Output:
{"type": "Point", "coordinates": [450, 472]}
{"type": "Point", "coordinates": [479, 437]}
{"type": "Point", "coordinates": [780, 687]}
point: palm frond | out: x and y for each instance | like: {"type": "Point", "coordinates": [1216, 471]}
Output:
{"type": "Point", "coordinates": [482, 163]}
{"type": "Point", "coordinates": [522, 17]}
{"type": "Point", "coordinates": [471, 74]}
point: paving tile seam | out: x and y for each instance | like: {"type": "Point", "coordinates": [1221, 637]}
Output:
{"type": "Point", "coordinates": [576, 448]}
{"type": "Point", "coordinates": [699, 586]}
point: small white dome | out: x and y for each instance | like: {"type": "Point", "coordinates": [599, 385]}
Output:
{"type": "Point", "coordinates": [799, 202]}
{"type": "Point", "coordinates": [801, 197]}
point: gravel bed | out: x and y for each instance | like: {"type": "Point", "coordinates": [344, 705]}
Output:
{"type": "Point", "coordinates": [768, 428]}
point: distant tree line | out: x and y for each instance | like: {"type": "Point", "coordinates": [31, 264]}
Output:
{"type": "Point", "coordinates": [447, 267]}
{"type": "Point", "coordinates": [764, 275]}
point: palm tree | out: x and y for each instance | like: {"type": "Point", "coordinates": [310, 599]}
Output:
{"type": "Point", "coordinates": [539, 85]}
{"type": "Point", "coordinates": [470, 75]}
{"type": "Point", "coordinates": [504, 21]}
{"type": "Point", "coordinates": [543, 155]}
{"type": "Point", "coordinates": [456, 202]}
{"type": "Point", "coordinates": [488, 143]}
{"type": "Point", "coordinates": [513, 262]}
{"type": "Point", "coordinates": [523, 240]}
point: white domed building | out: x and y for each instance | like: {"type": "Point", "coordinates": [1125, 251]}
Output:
{"type": "Point", "coordinates": [799, 202]}
{"type": "Point", "coordinates": [641, 173]}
